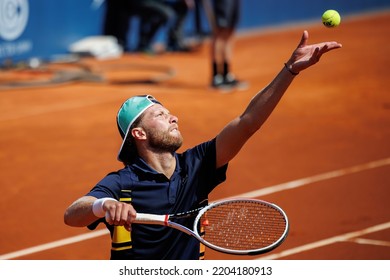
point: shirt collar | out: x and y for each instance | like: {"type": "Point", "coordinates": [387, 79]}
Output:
{"type": "Point", "coordinates": [139, 165]}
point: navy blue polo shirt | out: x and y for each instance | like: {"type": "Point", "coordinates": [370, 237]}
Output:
{"type": "Point", "coordinates": [148, 191]}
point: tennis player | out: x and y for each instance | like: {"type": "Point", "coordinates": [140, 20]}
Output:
{"type": "Point", "coordinates": [158, 180]}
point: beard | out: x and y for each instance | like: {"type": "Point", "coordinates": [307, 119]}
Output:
{"type": "Point", "coordinates": [162, 141]}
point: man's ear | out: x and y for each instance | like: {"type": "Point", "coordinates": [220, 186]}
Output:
{"type": "Point", "coordinates": [138, 133]}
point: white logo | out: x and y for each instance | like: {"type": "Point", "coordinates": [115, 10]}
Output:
{"type": "Point", "coordinates": [13, 18]}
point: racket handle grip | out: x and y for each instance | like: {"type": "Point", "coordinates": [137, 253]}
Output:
{"type": "Point", "coordinates": [151, 219]}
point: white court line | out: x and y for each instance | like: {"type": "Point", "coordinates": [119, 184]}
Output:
{"type": "Point", "coordinates": [325, 242]}
{"type": "Point", "coordinates": [316, 178]}
{"type": "Point", "coordinates": [257, 193]}
{"type": "Point", "coordinates": [55, 244]}
{"type": "Point", "coordinates": [366, 241]}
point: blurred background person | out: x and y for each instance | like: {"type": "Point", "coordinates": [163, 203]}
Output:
{"type": "Point", "coordinates": [153, 14]}
{"type": "Point", "coordinates": [176, 41]}
{"type": "Point", "coordinates": [157, 15]}
{"type": "Point", "coordinates": [223, 17]}
{"type": "Point", "coordinates": [175, 12]}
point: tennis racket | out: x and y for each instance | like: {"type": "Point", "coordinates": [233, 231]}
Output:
{"type": "Point", "coordinates": [232, 226]}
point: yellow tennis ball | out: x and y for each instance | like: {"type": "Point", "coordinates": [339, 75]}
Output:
{"type": "Point", "coordinates": [331, 18]}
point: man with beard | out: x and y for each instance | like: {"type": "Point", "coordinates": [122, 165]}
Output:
{"type": "Point", "coordinates": [158, 180]}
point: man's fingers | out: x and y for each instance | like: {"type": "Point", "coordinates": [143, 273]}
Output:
{"type": "Point", "coordinates": [120, 214]}
{"type": "Point", "coordinates": [108, 218]}
{"type": "Point", "coordinates": [304, 38]}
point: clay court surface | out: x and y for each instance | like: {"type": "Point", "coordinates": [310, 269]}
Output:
{"type": "Point", "coordinates": [323, 156]}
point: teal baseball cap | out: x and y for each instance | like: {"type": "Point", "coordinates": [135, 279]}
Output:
{"type": "Point", "coordinates": [129, 112]}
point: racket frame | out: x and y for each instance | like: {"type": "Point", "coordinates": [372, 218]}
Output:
{"type": "Point", "coordinates": [164, 220]}
{"type": "Point", "coordinates": [242, 252]}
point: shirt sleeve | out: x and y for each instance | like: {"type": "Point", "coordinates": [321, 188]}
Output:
{"type": "Point", "coordinates": [109, 186]}
{"type": "Point", "coordinates": [202, 159]}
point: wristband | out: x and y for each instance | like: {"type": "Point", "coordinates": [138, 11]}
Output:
{"type": "Point", "coordinates": [97, 206]}
{"type": "Point", "coordinates": [289, 70]}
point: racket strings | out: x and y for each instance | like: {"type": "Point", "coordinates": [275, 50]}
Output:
{"type": "Point", "coordinates": [243, 225]}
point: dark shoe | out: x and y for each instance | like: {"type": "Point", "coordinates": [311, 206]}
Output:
{"type": "Point", "coordinates": [145, 50]}
{"type": "Point", "coordinates": [231, 81]}
{"type": "Point", "coordinates": [219, 84]}
{"type": "Point", "coordinates": [178, 48]}
{"type": "Point", "coordinates": [217, 81]}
